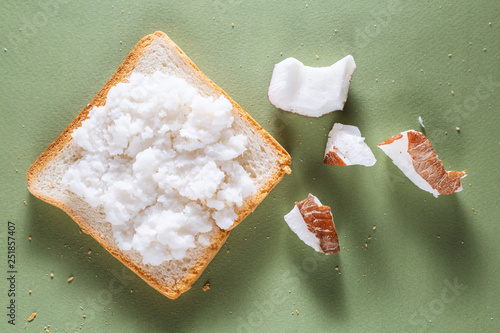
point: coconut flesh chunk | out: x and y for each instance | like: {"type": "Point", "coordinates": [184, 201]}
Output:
{"type": "Point", "coordinates": [421, 121]}
{"type": "Point", "coordinates": [412, 152]}
{"type": "Point", "coordinates": [346, 146]}
{"type": "Point", "coordinates": [310, 91]}
{"type": "Point", "coordinates": [314, 225]}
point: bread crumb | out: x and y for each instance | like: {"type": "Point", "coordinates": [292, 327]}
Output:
{"type": "Point", "coordinates": [489, 23]}
{"type": "Point", "coordinates": [374, 227]}
{"type": "Point", "coordinates": [452, 92]}
{"type": "Point", "coordinates": [336, 268]}
{"type": "Point", "coordinates": [25, 203]}
{"type": "Point", "coordinates": [206, 286]}
{"type": "Point", "coordinates": [297, 311]}
{"type": "Point", "coordinates": [71, 278]}
{"type": "Point", "coordinates": [51, 275]}
{"type": "Point", "coordinates": [89, 252]}
{"type": "Point", "coordinates": [449, 55]}
{"type": "Point", "coordinates": [33, 315]}
{"type": "Point", "coordinates": [484, 49]}
{"type": "Point", "coordinates": [317, 56]}
{"type": "Point", "coordinates": [457, 128]}
{"type": "Point", "coordinates": [29, 291]}
{"type": "Point", "coordinates": [232, 25]}
{"type": "Point", "coordinates": [84, 316]}
{"type": "Point", "coordinates": [29, 238]}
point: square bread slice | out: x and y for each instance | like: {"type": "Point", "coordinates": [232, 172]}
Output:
{"type": "Point", "coordinates": [264, 160]}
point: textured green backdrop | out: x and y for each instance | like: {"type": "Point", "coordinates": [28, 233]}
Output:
{"type": "Point", "coordinates": [430, 265]}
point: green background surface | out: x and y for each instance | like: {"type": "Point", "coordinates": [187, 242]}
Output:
{"type": "Point", "coordinates": [431, 265]}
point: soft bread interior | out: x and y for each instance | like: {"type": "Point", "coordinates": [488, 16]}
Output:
{"type": "Point", "coordinates": [265, 160]}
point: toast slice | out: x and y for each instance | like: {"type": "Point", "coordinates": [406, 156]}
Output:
{"type": "Point", "coordinates": [264, 160]}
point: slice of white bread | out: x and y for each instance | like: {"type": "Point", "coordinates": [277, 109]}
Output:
{"type": "Point", "coordinates": [265, 160]}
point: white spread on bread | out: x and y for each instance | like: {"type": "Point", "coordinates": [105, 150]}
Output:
{"type": "Point", "coordinates": [162, 160]}
{"type": "Point", "coordinates": [311, 91]}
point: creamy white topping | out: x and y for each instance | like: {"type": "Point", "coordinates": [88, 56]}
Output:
{"type": "Point", "coordinates": [161, 159]}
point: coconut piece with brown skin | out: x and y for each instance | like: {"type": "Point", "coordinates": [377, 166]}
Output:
{"type": "Point", "coordinates": [413, 154]}
{"type": "Point", "coordinates": [313, 223]}
{"type": "Point", "coordinates": [346, 146]}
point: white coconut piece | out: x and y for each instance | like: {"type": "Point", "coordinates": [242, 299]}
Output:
{"type": "Point", "coordinates": [311, 91]}
{"type": "Point", "coordinates": [398, 152]}
{"type": "Point", "coordinates": [346, 146]}
{"type": "Point", "coordinates": [296, 222]}
{"type": "Point", "coordinates": [420, 163]}
{"type": "Point", "coordinates": [421, 121]}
